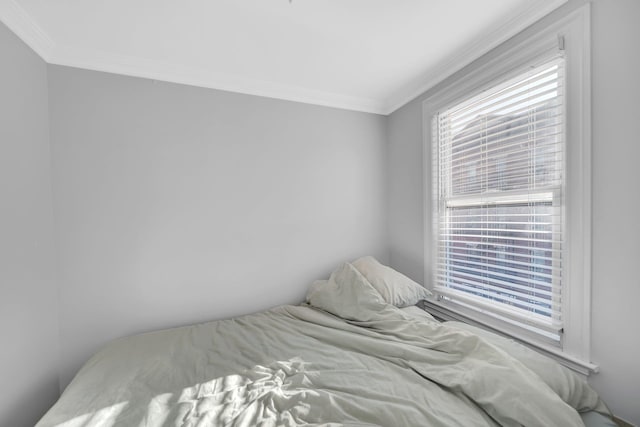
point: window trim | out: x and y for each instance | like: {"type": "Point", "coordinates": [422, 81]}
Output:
{"type": "Point", "coordinates": [570, 33]}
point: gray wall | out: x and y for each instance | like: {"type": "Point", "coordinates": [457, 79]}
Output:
{"type": "Point", "coordinates": [615, 198]}
{"type": "Point", "coordinates": [28, 295]}
{"type": "Point", "coordinates": [177, 204]}
{"type": "Point", "coordinates": [616, 203]}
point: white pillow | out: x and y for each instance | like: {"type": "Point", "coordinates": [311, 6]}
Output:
{"type": "Point", "coordinates": [395, 287]}
{"type": "Point", "coordinates": [348, 294]}
{"type": "Point", "coordinates": [315, 286]}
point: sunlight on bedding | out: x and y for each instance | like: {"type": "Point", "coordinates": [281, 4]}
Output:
{"type": "Point", "coordinates": [155, 414]}
{"type": "Point", "coordinates": [103, 417]}
{"type": "Point", "coordinates": [261, 394]}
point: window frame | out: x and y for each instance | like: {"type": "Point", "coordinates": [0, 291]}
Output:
{"type": "Point", "coordinates": [572, 35]}
{"type": "Point", "coordinates": [551, 193]}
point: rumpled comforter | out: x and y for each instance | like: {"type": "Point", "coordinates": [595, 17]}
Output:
{"type": "Point", "coordinates": [345, 358]}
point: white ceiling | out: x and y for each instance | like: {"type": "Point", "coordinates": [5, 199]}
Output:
{"type": "Point", "coordinates": [366, 55]}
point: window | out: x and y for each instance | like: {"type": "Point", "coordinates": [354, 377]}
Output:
{"type": "Point", "coordinates": [507, 211]}
{"type": "Point", "coordinates": [500, 199]}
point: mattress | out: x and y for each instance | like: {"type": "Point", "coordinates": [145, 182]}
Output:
{"type": "Point", "coordinates": [346, 357]}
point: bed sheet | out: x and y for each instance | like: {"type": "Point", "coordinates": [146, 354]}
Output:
{"type": "Point", "coordinates": [346, 358]}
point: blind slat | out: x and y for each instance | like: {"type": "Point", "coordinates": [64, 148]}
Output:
{"type": "Point", "coordinates": [517, 282]}
{"type": "Point", "coordinates": [505, 262]}
{"type": "Point", "coordinates": [499, 263]}
{"type": "Point", "coordinates": [510, 296]}
{"type": "Point", "coordinates": [506, 299]}
{"type": "Point", "coordinates": [510, 250]}
{"type": "Point", "coordinates": [480, 100]}
{"type": "Point", "coordinates": [501, 135]}
{"type": "Point", "coordinates": [537, 96]}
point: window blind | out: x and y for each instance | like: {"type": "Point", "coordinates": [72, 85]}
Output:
{"type": "Point", "coordinates": [500, 216]}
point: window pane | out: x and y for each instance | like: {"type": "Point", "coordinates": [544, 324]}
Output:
{"type": "Point", "coordinates": [502, 253]}
{"type": "Point", "coordinates": [510, 141]}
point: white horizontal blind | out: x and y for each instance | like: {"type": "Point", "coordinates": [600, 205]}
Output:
{"type": "Point", "coordinates": [500, 199]}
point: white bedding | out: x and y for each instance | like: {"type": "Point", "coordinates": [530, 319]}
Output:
{"type": "Point", "coordinates": [346, 358]}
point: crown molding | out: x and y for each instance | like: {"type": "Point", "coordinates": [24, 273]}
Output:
{"type": "Point", "coordinates": [27, 29]}
{"type": "Point", "coordinates": [21, 23]}
{"type": "Point", "coordinates": [463, 57]}
{"type": "Point", "coordinates": [91, 59]}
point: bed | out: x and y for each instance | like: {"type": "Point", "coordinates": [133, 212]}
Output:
{"type": "Point", "coordinates": [350, 355]}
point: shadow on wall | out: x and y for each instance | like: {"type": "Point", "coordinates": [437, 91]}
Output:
{"type": "Point", "coordinates": [28, 404]}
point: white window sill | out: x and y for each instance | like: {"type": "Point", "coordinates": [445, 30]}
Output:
{"type": "Point", "coordinates": [450, 311]}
